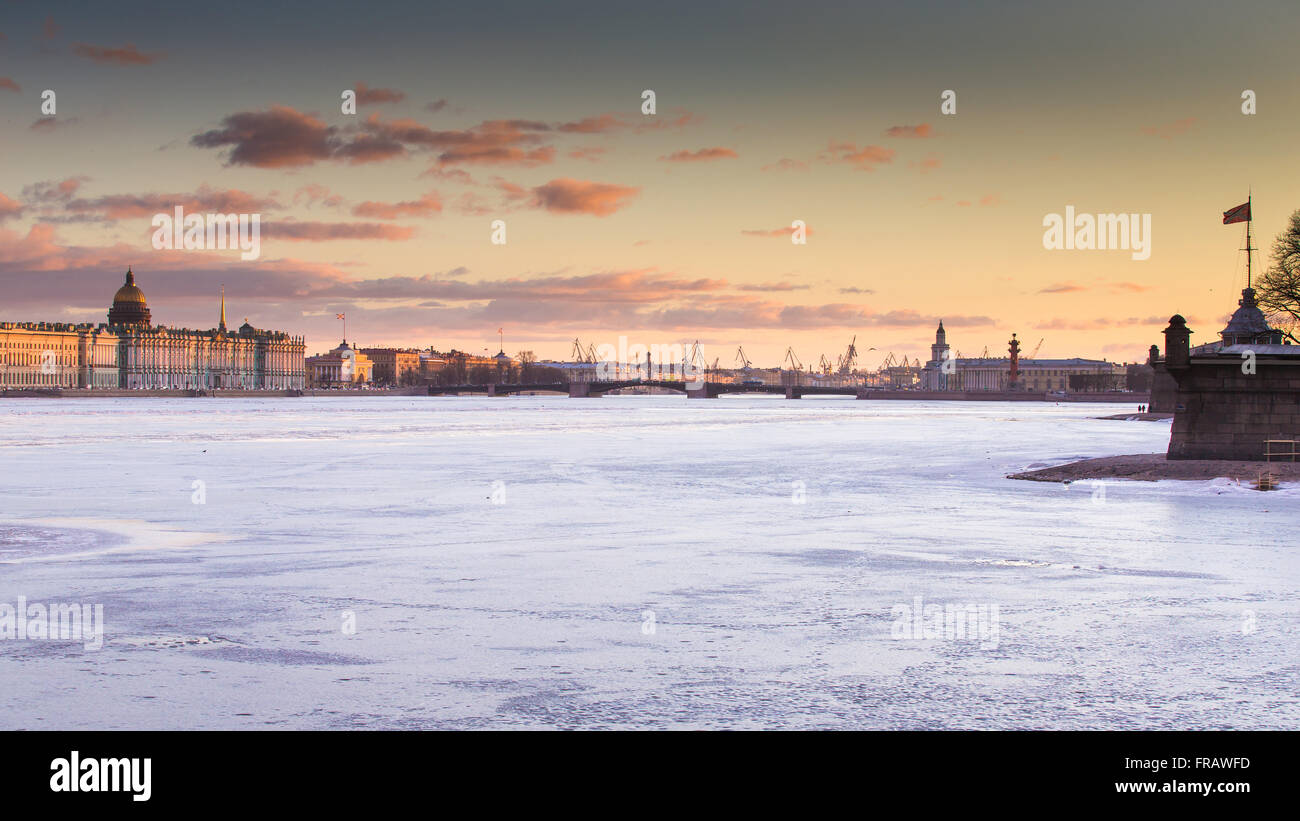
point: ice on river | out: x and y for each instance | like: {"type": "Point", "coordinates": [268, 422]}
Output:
{"type": "Point", "coordinates": [632, 562]}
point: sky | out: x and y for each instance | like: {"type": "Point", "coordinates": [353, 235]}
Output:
{"type": "Point", "coordinates": [661, 228]}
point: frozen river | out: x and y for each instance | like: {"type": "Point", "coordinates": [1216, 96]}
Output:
{"type": "Point", "coordinates": [631, 562]}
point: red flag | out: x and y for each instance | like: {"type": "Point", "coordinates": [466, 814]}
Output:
{"type": "Point", "coordinates": [338, 316]}
{"type": "Point", "coordinates": [1239, 214]}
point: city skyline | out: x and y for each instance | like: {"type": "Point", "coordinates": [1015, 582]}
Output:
{"type": "Point", "coordinates": [664, 228]}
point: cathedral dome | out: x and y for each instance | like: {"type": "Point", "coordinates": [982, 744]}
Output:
{"type": "Point", "coordinates": [129, 305]}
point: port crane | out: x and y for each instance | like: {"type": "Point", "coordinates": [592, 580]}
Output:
{"type": "Point", "coordinates": [741, 358]}
{"type": "Point", "coordinates": [849, 359]}
{"type": "Point", "coordinates": [793, 359]}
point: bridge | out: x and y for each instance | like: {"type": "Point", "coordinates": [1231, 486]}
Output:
{"type": "Point", "coordinates": [693, 390]}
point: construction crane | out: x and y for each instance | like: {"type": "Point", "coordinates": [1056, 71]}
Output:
{"type": "Point", "coordinates": [741, 358]}
{"type": "Point", "coordinates": [1036, 347]}
{"type": "Point", "coordinates": [824, 366]}
{"type": "Point", "coordinates": [793, 359]}
{"type": "Point", "coordinates": [586, 355]}
{"type": "Point", "coordinates": [849, 359]}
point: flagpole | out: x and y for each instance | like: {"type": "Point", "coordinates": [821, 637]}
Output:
{"type": "Point", "coordinates": [1249, 215]}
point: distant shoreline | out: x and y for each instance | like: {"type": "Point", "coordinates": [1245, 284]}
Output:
{"type": "Point", "coordinates": [872, 394]}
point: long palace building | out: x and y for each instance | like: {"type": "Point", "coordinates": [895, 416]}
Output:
{"type": "Point", "coordinates": [129, 352]}
{"type": "Point", "coordinates": [1034, 375]}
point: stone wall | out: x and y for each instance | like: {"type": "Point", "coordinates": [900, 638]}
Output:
{"type": "Point", "coordinates": [1222, 413]}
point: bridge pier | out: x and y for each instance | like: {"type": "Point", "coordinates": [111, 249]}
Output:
{"type": "Point", "coordinates": [582, 390]}
{"type": "Point", "coordinates": [793, 392]}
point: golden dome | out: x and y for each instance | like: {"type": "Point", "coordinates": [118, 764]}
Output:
{"type": "Point", "coordinates": [129, 306]}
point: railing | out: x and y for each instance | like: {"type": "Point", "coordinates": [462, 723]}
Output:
{"type": "Point", "coordinates": [1286, 449]}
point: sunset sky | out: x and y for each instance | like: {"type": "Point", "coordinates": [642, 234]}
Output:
{"type": "Point", "coordinates": [663, 228]}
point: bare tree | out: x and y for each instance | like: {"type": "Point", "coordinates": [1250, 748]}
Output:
{"type": "Point", "coordinates": [1278, 290]}
{"type": "Point", "coordinates": [526, 360]}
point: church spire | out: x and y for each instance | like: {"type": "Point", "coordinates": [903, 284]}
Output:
{"type": "Point", "coordinates": [222, 325]}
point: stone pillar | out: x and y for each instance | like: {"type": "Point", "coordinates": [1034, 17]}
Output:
{"type": "Point", "coordinates": [791, 392]}
{"type": "Point", "coordinates": [700, 393]}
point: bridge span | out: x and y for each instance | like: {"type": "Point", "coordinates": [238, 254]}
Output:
{"type": "Point", "coordinates": [693, 390]}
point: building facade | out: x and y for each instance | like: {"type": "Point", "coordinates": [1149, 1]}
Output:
{"type": "Point", "coordinates": [343, 367]}
{"type": "Point", "coordinates": [129, 352]}
{"type": "Point", "coordinates": [1074, 375]}
{"type": "Point", "coordinates": [394, 366]}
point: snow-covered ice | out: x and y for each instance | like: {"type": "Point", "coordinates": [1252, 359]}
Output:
{"type": "Point", "coordinates": [630, 562]}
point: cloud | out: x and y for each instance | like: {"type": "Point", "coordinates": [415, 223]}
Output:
{"type": "Point", "coordinates": [377, 96]}
{"type": "Point", "coordinates": [51, 123]}
{"type": "Point", "coordinates": [775, 232]}
{"type": "Point", "coordinates": [51, 192]}
{"type": "Point", "coordinates": [1168, 131]}
{"type": "Point", "coordinates": [50, 29]}
{"type": "Point", "coordinates": [125, 56]}
{"type": "Point", "coordinates": [1131, 287]}
{"type": "Point", "coordinates": [435, 106]}
{"type": "Point", "coordinates": [588, 153]}
{"type": "Point", "coordinates": [928, 164]}
{"type": "Point", "coordinates": [204, 200]}
{"type": "Point", "coordinates": [855, 290]}
{"type": "Point", "coordinates": [922, 131]}
{"type": "Point", "coordinates": [681, 119]}
{"type": "Point", "coordinates": [570, 196]}
{"type": "Point", "coordinates": [9, 209]}
{"type": "Point", "coordinates": [325, 231]}
{"type": "Point", "coordinates": [773, 287]}
{"type": "Point", "coordinates": [701, 155]}
{"type": "Point", "coordinates": [425, 206]}
{"type": "Point", "coordinates": [283, 137]}
{"type": "Point", "coordinates": [866, 158]}
{"type": "Point", "coordinates": [786, 164]}
{"type": "Point", "coordinates": [6, 82]}
{"type": "Point", "coordinates": [1062, 288]}
{"type": "Point", "coordinates": [279, 138]}
{"type": "Point", "coordinates": [592, 125]}
{"type": "Point", "coordinates": [300, 297]}
{"type": "Point", "coordinates": [471, 204]}
{"type": "Point", "coordinates": [313, 193]}
{"type": "Point", "coordinates": [990, 200]}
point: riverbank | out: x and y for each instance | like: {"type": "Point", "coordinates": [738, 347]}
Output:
{"type": "Point", "coordinates": [1151, 467]}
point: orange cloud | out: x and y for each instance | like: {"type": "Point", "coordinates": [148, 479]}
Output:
{"type": "Point", "coordinates": [426, 206]}
{"type": "Point", "coordinates": [8, 83]}
{"type": "Point", "coordinates": [775, 232]}
{"type": "Point", "coordinates": [786, 164]}
{"type": "Point", "coordinates": [125, 56]}
{"type": "Point", "coordinates": [570, 196]}
{"type": "Point", "coordinates": [866, 158]}
{"type": "Point", "coordinates": [928, 164]}
{"type": "Point", "coordinates": [921, 131]}
{"type": "Point", "coordinates": [592, 125]}
{"type": "Point", "coordinates": [375, 96]}
{"type": "Point", "coordinates": [702, 155]}
{"type": "Point", "coordinates": [9, 209]}
{"type": "Point", "coordinates": [205, 199]}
